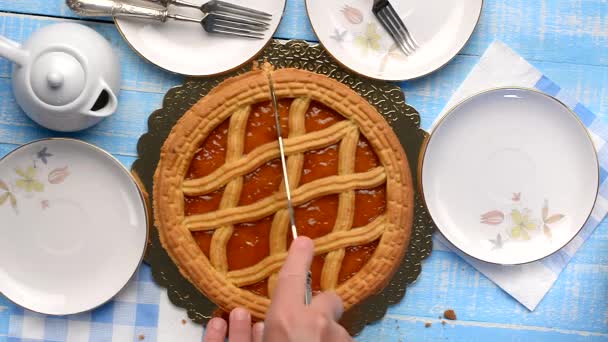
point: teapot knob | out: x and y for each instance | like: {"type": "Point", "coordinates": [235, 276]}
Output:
{"type": "Point", "coordinates": [57, 78]}
{"type": "Point", "coordinates": [54, 79]}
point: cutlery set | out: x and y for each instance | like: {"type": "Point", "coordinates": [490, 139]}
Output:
{"type": "Point", "coordinates": [219, 17]}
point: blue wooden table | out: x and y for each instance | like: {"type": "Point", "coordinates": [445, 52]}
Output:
{"type": "Point", "coordinates": [566, 39]}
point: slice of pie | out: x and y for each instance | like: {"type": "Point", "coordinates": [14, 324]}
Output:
{"type": "Point", "coordinates": [220, 206]}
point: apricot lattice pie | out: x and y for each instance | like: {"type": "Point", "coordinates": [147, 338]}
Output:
{"type": "Point", "coordinates": [221, 210]}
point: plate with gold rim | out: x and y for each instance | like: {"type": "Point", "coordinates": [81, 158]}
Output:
{"type": "Point", "coordinates": [510, 175]}
{"type": "Point", "coordinates": [351, 34]}
{"type": "Point", "coordinates": [74, 226]}
{"type": "Point", "coordinates": [186, 48]}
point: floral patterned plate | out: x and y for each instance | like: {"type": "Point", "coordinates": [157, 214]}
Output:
{"type": "Point", "coordinates": [510, 175]}
{"type": "Point", "coordinates": [74, 226]}
{"type": "Point", "coordinates": [351, 33]}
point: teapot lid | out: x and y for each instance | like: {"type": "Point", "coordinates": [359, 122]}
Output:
{"type": "Point", "coordinates": [57, 78]}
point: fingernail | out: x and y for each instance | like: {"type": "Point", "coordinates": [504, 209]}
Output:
{"type": "Point", "coordinates": [258, 328]}
{"type": "Point", "coordinates": [240, 314]}
{"type": "Point", "coordinates": [304, 242]}
{"type": "Point", "coordinates": [217, 324]}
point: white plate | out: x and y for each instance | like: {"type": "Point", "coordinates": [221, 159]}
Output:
{"type": "Point", "coordinates": [185, 48]}
{"type": "Point", "coordinates": [510, 176]}
{"type": "Point", "coordinates": [352, 34]}
{"type": "Point", "coordinates": [74, 226]}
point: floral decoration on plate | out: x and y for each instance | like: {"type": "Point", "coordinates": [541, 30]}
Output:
{"type": "Point", "coordinates": [32, 179]}
{"type": "Point", "coordinates": [363, 32]}
{"type": "Point", "coordinates": [520, 222]}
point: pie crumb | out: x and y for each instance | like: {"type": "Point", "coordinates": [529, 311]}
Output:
{"type": "Point", "coordinates": [141, 337]}
{"type": "Point", "coordinates": [265, 66]}
{"type": "Point", "coordinates": [427, 325]}
{"type": "Point", "coordinates": [443, 323]}
{"type": "Point", "coordinates": [183, 321]}
{"type": "Point", "coordinates": [450, 314]}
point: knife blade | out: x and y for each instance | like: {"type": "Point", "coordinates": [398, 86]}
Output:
{"type": "Point", "coordinates": [292, 220]}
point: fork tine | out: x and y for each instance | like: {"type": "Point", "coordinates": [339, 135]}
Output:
{"type": "Point", "coordinates": [239, 26]}
{"type": "Point", "coordinates": [214, 24]}
{"type": "Point", "coordinates": [244, 9]}
{"type": "Point", "coordinates": [229, 30]}
{"type": "Point", "coordinates": [237, 34]}
{"type": "Point", "coordinates": [222, 6]}
{"type": "Point", "coordinates": [393, 32]}
{"type": "Point", "coordinates": [401, 26]}
{"type": "Point", "coordinates": [237, 19]}
{"type": "Point", "coordinates": [395, 25]}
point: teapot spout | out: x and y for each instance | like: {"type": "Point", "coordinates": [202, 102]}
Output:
{"type": "Point", "coordinates": [12, 51]}
{"type": "Point", "coordinates": [105, 104]}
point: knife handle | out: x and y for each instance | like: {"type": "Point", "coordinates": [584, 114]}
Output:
{"type": "Point", "coordinates": [308, 297]}
{"type": "Point", "coordinates": [181, 3]}
{"type": "Point", "coordinates": [116, 8]}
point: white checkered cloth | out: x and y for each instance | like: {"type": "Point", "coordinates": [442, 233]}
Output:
{"type": "Point", "coordinates": [501, 67]}
{"type": "Point", "coordinates": [140, 312]}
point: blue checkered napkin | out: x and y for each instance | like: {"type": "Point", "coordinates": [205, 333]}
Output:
{"type": "Point", "coordinates": [599, 132]}
{"type": "Point", "coordinates": [131, 316]}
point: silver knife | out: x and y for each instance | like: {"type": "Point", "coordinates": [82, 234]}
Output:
{"type": "Point", "coordinates": [292, 220]}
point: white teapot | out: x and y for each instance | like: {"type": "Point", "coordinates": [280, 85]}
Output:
{"type": "Point", "coordinates": [66, 76]}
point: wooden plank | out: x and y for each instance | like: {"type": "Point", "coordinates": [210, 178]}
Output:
{"type": "Point", "coordinates": [576, 302]}
{"type": "Point", "coordinates": [412, 328]}
{"type": "Point", "coordinates": [428, 94]}
{"type": "Point", "coordinates": [550, 30]}
{"type": "Point", "coordinates": [118, 134]}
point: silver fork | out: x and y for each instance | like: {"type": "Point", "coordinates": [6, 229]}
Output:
{"type": "Point", "coordinates": [219, 6]}
{"type": "Point", "coordinates": [221, 22]}
{"type": "Point", "coordinates": [390, 20]}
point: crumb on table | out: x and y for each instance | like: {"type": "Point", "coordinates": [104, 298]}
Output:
{"type": "Point", "coordinates": [450, 314]}
{"type": "Point", "coordinates": [443, 323]}
{"type": "Point", "coordinates": [184, 322]}
{"type": "Point", "coordinates": [141, 337]}
{"type": "Point", "coordinates": [427, 324]}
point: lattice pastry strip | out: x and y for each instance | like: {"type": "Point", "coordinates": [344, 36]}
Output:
{"type": "Point", "coordinates": [266, 153]}
{"type": "Point", "coordinates": [346, 211]}
{"type": "Point", "coordinates": [295, 164]}
{"type": "Point", "coordinates": [232, 193]}
{"type": "Point", "coordinates": [325, 244]}
{"type": "Point", "coordinates": [269, 205]}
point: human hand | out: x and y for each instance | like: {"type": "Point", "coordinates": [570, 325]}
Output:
{"type": "Point", "coordinates": [288, 318]}
{"type": "Point", "coordinates": [240, 328]}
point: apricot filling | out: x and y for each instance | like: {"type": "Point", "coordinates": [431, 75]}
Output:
{"type": "Point", "coordinates": [249, 243]}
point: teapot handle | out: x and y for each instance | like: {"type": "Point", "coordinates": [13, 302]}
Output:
{"type": "Point", "coordinates": [105, 104]}
{"type": "Point", "coordinates": [11, 50]}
